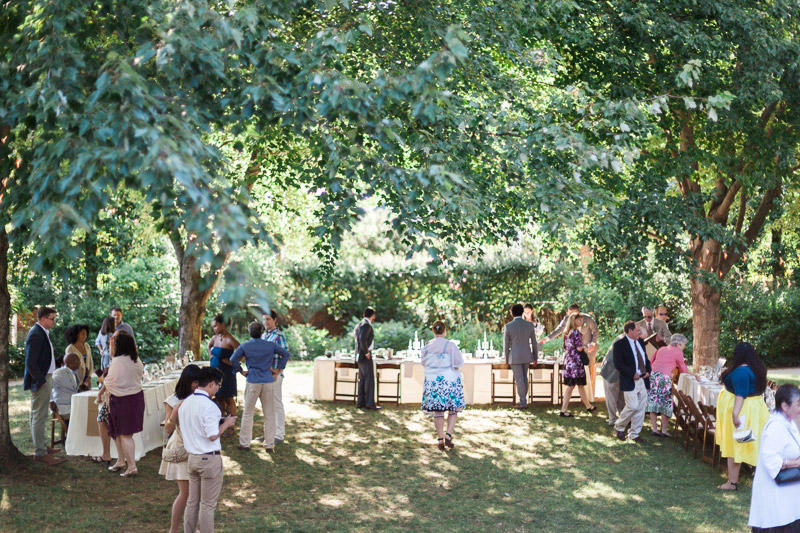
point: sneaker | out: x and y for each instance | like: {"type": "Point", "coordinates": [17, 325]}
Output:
{"type": "Point", "coordinates": [259, 439]}
{"type": "Point", "coordinates": [277, 441]}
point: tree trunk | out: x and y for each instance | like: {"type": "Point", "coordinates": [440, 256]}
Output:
{"type": "Point", "coordinates": [193, 301]}
{"type": "Point", "coordinates": [705, 323]}
{"type": "Point", "coordinates": [91, 259]}
{"type": "Point", "coordinates": [10, 457]}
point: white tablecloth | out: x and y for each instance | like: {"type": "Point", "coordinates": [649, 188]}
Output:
{"type": "Point", "coordinates": [151, 437]}
{"type": "Point", "coordinates": [708, 392]}
{"type": "Point", "coordinates": [477, 379]}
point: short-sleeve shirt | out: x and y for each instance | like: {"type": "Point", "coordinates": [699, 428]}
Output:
{"type": "Point", "coordinates": [741, 382]}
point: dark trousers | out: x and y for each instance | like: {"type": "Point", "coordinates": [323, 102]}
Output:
{"type": "Point", "coordinates": [366, 384]}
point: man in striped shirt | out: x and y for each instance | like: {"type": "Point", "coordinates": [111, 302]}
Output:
{"type": "Point", "coordinates": [273, 334]}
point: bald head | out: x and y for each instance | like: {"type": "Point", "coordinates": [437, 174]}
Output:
{"type": "Point", "coordinates": [72, 361]}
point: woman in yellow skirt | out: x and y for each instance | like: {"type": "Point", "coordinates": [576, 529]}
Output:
{"type": "Point", "coordinates": [745, 380]}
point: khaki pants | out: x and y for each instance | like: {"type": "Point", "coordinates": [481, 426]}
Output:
{"type": "Point", "coordinates": [615, 400]}
{"type": "Point", "coordinates": [40, 415]}
{"type": "Point", "coordinates": [205, 484]}
{"type": "Point", "coordinates": [280, 414]}
{"type": "Point", "coordinates": [635, 404]}
{"type": "Point", "coordinates": [265, 393]}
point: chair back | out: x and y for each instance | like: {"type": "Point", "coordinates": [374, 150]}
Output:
{"type": "Point", "coordinates": [676, 373]}
{"type": "Point", "coordinates": [346, 365]}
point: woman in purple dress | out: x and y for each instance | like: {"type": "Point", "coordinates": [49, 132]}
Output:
{"type": "Point", "coordinates": [574, 372]}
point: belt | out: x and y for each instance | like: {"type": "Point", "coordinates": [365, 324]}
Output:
{"type": "Point", "coordinates": [208, 453]}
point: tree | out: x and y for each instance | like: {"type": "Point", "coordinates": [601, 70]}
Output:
{"type": "Point", "coordinates": [724, 145]}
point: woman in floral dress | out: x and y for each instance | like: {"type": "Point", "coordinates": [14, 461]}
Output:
{"type": "Point", "coordinates": [574, 372]}
{"type": "Point", "coordinates": [443, 391]}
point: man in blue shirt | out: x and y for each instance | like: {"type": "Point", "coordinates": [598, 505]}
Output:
{"type": "Point", "coordinates": [259, 356]}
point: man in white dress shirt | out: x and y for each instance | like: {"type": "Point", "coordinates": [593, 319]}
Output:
{"type": "Point", "coordinates": [634, 381]}
{"type": "Point", "coordinates": [202, 428]}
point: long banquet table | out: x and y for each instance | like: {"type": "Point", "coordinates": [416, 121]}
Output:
{"type": "Point", "coordinates": [700, 391]}
{"type": "Point", "coordinates": [477, 379]}
{"type": "Point", "coordinates": [82, 436]}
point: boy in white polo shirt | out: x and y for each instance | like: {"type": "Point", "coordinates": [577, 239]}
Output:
{"type": "Point", "coordinates": [202, 428]}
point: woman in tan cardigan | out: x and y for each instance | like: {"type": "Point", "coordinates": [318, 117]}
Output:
{"type": "Point", "coordinates": [76, 336]}
{"type": "Point", "coordinates": [126, 405]}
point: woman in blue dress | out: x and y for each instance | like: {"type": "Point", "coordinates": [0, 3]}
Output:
{"type": "Point", "coordinates": [221, 348]}
{"type": "Point", "coordinates": [443, 390]}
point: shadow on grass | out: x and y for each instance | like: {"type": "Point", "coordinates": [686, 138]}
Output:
{"type": "Point", "coordinates": [343, 469]}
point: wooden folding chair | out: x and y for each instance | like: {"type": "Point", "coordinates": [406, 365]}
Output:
{"type": "Point", "coordinates": [380, 368]}
{"type": "Point", "coordinates": [57, 419]}
{"type": "Point", "coordinates": [337, 379]}
{"type": "Point", "coordinates": [709, 432]}
{"type": "Point", "coordinates": [551, 380]}
{"type": "Point", "coordinates": [681, 413]}
{"type": "Point", "coordinates": [696, 424]}
{"type": "Point", "coordinates": [497, 382]}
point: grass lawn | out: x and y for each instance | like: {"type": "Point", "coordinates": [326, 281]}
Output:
{"type": "Point", "coordinates": [342, 469]}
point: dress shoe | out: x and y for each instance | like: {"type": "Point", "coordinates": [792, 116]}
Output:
{"type": "Point", "coordinates": [243, 448]}
{"type": "Point", "coordinates": [53, 451]}
{"type": "Point", "coordinates": [259, 439]}
{"type": "Point", "coordinates": [270, 450]}
{"type": "Point", "coordinates": [278, 441]}
{"type": "Point", "coordinates": [520, 406]}
{"type": "Point", "coordinates": [621, 435]}
{"type": "Point", "coordinates": [49, 459]}
{"type": "Point", "coordinates": [639, 440]}
{"type": "Point", "coordinates": [374, 407]}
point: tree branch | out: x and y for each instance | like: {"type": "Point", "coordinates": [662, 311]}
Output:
{"type": "Point", "coordinates": [742, 210]}
{"type": "Point", "coordinates": [756, 224]}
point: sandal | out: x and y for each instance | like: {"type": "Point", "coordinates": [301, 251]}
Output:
{"type": "Point", "coordinates": [117, 468]}
{"type": "Point", "coordinates": [448, 441]}
{"type": "Point", "coordinates": [130, 473]}
{"type": "Point", "coordinates": [441, 444]}
{"type": "Point", "coordinates": [99, 459]}
{"type": "Point", "coordinates": [733, 486]}
{"type": "Point", "coordinates": [565, 415]}
{"type": "Point", "coordinates": [591, 409]}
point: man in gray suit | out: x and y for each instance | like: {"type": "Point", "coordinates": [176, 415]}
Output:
{"type": "Point", "coordinates": [520, 349]}
{"type": "Point", "coordinates": [615, 399]}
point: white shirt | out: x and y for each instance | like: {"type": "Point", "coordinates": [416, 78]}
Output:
{"type": "Point", "coordinates": [774, 505]}
{"type": "Point", "coordinates": [199, 420]}
{"type": "Point", "coordinates": [637, 349]}
{"type": "Point", "coordinates": [52, 351]}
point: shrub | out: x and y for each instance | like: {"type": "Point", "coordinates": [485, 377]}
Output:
{"type": "Point", "coordinates": [16, 361]}
{"type": "Point", "coordinates": [304, 338]}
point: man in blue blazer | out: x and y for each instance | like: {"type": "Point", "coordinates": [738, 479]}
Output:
{"type": "Point", "coordinates": [630, 358]}
{"type": "Point", "coordinates": [40, 363]}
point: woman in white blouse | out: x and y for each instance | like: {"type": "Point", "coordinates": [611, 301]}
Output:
{"type": "Point", "coordinates": [443, 393]}
{"type": "Point", "coordinates": [772, 506]}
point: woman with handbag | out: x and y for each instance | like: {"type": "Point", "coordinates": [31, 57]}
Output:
{"type": "Point", "coordinates": [659, 397]}
{"type": "Point", "coordinates": [575, 359]}
{"type": "Point", "coordinates": [776, 483]}
{"type": "Point", "coordinates": [174, 458]}
{"type": "Point", "coordinates": [443, 390]}
{"type": "Point", "coordinates": [740, 406]}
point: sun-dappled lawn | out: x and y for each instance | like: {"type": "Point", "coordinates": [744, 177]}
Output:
{"type": "Point", "coordinates": [343, 469]}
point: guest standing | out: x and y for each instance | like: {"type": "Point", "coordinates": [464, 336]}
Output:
{"type": "Point", "coordinates": [590, 337]}
{"type": "Point", "coordinates": [221, 348]}
{"type": "Point", "coordinates": [774, 507]}
{"type": "Point", "coordinates": [443, 390]}
{"type": "Point", "coordinates": [273, 334]}
{"type": "Point", "coordinates": [654, 325]}
{"type": "Point", "coordinates": [76, 336]}
{"type": "Point", "coordinates": [365, 337]}
{"type": "Point", "coordinates": [574, 372]}
{"type": "Point", "coordinates": [659, 397]}
{"type": "Point", "coordinates": [103, 341]}
{"type": "Point", "coordinates": [634, 381]}
{"type": "Point", "coordinates": [259, 356]}
{"type": "Point", "coordinates": [745, 380]}
{"type": "Point", "coordinates": [520, 350]}
{"type": "Point", "coordinates": [178, 472]}
{"type": "Point", "coordinates": [126, 405]}
{"type": "Point", "coordinates": [615, 399]}
{"type": "Point", "coordinates": [201, 429]}
{"type": "Point", "coordinates": [40, 363]}
{"type": "Point", "coordinates": [119, 325]}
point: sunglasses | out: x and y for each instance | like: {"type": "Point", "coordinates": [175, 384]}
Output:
{"type": "Point", "coordinates": [662, 314]}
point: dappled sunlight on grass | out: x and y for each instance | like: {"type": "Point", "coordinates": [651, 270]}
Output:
{"type": "Point", "coordinates": [343, 469]}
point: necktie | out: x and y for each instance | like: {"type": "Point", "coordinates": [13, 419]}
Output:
{"type": "Point", "coordinates": [649, 328]}
{"type": "Point", "coordinates": [642, 368]}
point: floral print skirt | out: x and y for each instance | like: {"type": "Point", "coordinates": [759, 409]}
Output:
{"type": "Point", "coordinates": [659, 397]}
{"type": "Point", "coordinates": [441, 394]}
